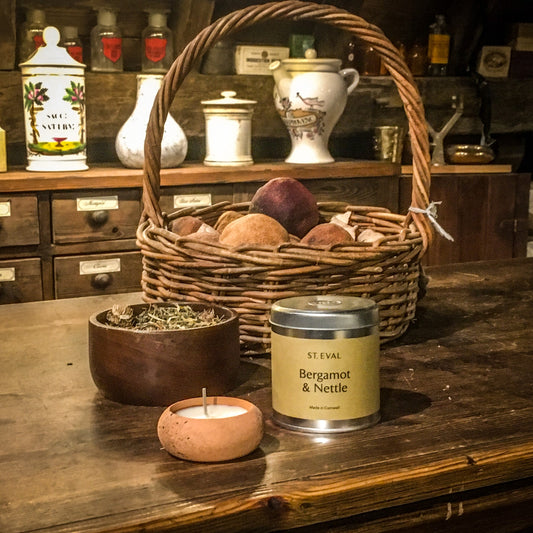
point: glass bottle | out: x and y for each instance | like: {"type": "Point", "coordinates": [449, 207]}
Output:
{"type": "Point", "coordinates": [71, 41]}
{"type": "Point", "coordinates": [370, 61]}
{"type": "Point", "coordinates": [417, 59]}
{"type": "Point", "coordinates": [106, 43]}
{"type": "Point", "coordinates": [349, 60]}
{"type": "Point", "coordinates": [438, 47]}
{"type": "Point", "coordinates": [31, 33]}
{"type": "Point", "coordinates": [157, 46]}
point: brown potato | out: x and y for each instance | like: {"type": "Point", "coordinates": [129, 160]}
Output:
{"type": "Point", "coordinates": [326, 234]}
{"type": "Point", "coordinates": [254, 228]}
{"type": "Point", "coordinates": [289, 202]}
{"type": "Point", "coordinates": [185, 225]}
{"type": "Point", "coordinates": [225, 218]}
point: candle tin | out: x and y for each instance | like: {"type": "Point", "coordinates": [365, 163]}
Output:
{"type": "Point", "coordinates": [325, 363]}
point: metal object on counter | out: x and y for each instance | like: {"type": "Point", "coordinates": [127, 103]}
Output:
{"type": "Point", "coordinates": [482, 153]}
{"type": "Point", "coordinates": [437, 158]}
{"type": "Point", "coordinates": [228, 130]}
{"type": "Point", "coordinates": [388, 143]}
{"type": "Point", "coordinates": [325, 363]}
{"type": "Point", "coordinates": [469, 154]}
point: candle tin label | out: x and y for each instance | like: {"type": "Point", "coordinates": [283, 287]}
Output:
{"type": "Point", "coordinates": [325, 363]}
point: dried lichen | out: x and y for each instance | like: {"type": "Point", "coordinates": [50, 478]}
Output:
{"type": "Point", "coordinates": [158, 317]}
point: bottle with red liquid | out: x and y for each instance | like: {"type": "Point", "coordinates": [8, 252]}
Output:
{"type": "Point", "coordinates": [31, 34]}
{"type": "Point", "coordinates": [106, 43]}
{"type": "Point", "coordinates": [71, 41]}
{"type": "Point", "coordinates": [157, 46]}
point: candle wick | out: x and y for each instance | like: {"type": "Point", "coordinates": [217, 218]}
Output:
{"type": "Point", "coordinates": [204, 401]}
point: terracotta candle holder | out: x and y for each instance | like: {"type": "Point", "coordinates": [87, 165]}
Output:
{"type": "Point", "coordinates": [210, 429]}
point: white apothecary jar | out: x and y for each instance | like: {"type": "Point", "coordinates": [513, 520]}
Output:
{"type": "Point", "coordinates": [228, 130]}
{"type": "Point", "coordinates": [53, 85]}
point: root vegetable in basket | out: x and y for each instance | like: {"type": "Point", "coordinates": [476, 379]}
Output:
{"type": "Point", "coordinates": [326, 234]}
{"type": "Point", "coordinates": [289, 202]}
{"type": "Point", "coordinates": [254, 228]}
{"type": "Point", "coordinates": [185, 225]}
{"type": "Point", "coordinates": [225, 218]}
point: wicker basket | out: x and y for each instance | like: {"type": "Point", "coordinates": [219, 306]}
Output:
{"type": "Point", "coordinates": [250, 279]}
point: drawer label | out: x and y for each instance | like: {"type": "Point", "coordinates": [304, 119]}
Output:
{"type": "Point", "coordinates": [99, 266]}
{"type": "Point", "coordinates": [192, 200]}
{"type": "Point", "coordinates": [97, 203]}
{"type": "Point", "coordinates": [7, 274]}
{"type": "Point", "coordinates": [5, 209]}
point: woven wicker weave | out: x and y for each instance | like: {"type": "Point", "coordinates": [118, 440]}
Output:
{"type": "Point", "coordinates": [250, 279]}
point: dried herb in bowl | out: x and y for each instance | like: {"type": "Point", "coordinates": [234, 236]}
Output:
{"type": "Point", "coordinates": [158, 317]}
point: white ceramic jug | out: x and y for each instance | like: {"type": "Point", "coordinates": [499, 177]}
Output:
{"type": "Point", "coordinates": [129, 142]}
{"type": "Point", "coordinates": [310, 95]}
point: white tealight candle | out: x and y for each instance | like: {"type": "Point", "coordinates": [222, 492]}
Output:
{"type": "Point", "coordinates": [213, 411]}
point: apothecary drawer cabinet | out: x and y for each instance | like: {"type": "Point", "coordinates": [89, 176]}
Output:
{"type": "Point", "coordinates": [20, 280]}
{"type": "Point", "coordinates": [86, 216]}
{"type": "Point", "coordinates": [19, 220]}
{"type": "Point", "coordinates": [93, 274]}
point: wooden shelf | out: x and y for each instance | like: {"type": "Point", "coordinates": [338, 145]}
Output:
{"type": "Point", "coordinates": [106, 177]}
{"type": "Point", "coordinates": [463, 169]}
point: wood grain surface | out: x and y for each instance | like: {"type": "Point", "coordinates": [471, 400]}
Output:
{"type": "Point", "coordinates": [454, 448]}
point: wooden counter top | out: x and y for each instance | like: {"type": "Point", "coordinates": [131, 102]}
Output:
{"type": "Point", "coordinates": [453, 452]}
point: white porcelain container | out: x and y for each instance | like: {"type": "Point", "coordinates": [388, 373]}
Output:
{"type": "Point", "coordinates": [228, 130]}
{"type": "Point", "coordinates": [129, 143]}
{"type": "Point", "coordinates": [310, 95]}
{"type": "Point", "coordinates": [53, 85]}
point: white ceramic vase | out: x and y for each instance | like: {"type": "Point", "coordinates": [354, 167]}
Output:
{"type": "Point", "coordinates": [129, 143]}
{"type": "Point", "coordinates": [310, 96]}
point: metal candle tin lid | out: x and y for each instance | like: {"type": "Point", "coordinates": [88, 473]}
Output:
{"type": "Point", "coordinates": [324, 312]}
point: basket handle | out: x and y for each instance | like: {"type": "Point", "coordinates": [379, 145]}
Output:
{"type": "Point", "coordinates": [292, 10]}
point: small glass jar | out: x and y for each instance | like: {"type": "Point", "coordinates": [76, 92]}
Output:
{"type": "Point", "coordinates": [106, 43]}
{"type": "Point", "coordinates": [31, 33]}
{"type": "Point", "coordinates": [157, 46]}
{"type": "Point", "coordinates": [417, 59]}
{"type": "Point", "coordinates": [71, 41]}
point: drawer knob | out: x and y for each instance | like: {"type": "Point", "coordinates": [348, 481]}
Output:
{"type": "Point", "coordinates": [98, 218]}
{"type": "Point", "coordinates": [101, 281]}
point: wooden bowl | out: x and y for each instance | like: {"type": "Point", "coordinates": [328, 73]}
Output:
{"type": "Point", "coordinates": [162, 367]}
{"type": "Point", "coordinates": [210, 439]}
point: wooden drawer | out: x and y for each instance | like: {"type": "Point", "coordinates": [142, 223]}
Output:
{"type": "Point", "coordinates": [87, 216]}
{"type": "Point", "coordinates": [19, 220]}
{"type": "Point", "coordinates": [20, 280]}
{"type": "Point", "coordinates": [174, 198]}
{"type": "Point", "coordinates": [88, 275]}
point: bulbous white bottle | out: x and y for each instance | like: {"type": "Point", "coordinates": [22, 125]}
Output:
{"type": "Point", "coordinates": [129, 143]}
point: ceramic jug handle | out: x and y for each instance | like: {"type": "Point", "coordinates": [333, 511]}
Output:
{"type": "Point", "coordinates": [347, 73]}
